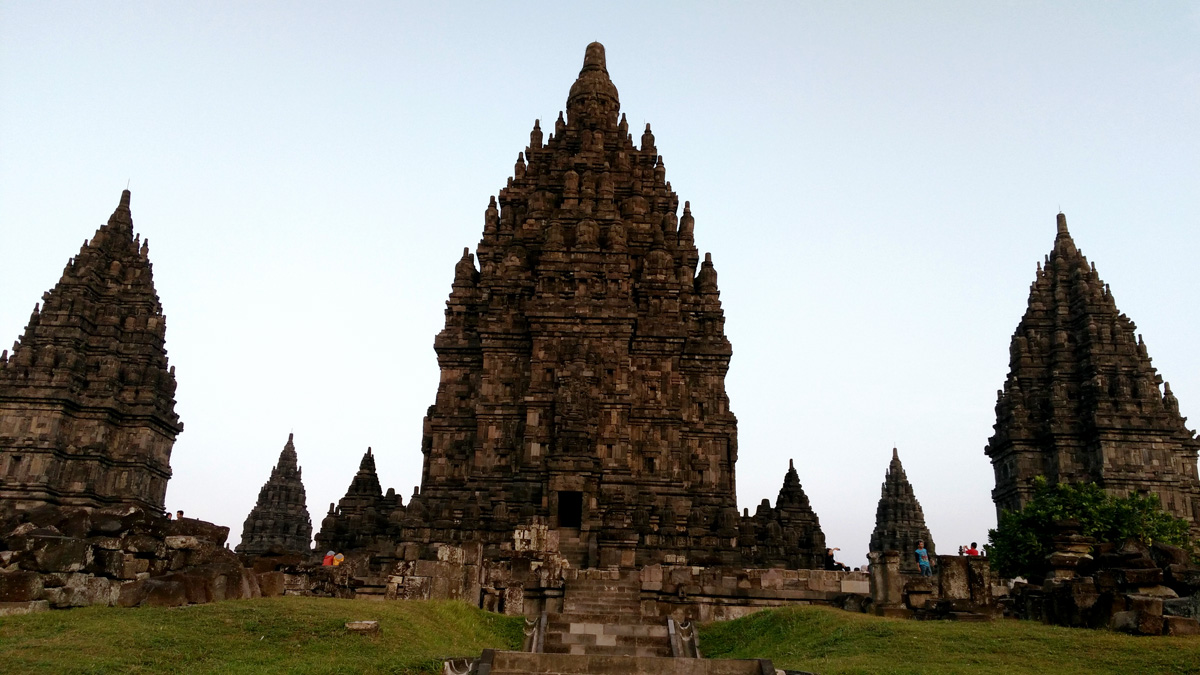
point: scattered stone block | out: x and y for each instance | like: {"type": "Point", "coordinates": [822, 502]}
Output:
{"type": "Point", "coordinates": [20, 586]}
{"type": "Point", "coordinates": [363, 627]}
{"type": "Point", "coordinates": [1181, 625]}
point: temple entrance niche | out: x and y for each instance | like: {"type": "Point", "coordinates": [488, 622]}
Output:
{"type": "Point", "coordinates": [570, 509]}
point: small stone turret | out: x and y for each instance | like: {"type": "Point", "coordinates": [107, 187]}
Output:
{"type": "Point", "coordinates": [87, 399]}
{"type": "Point", "coordinates": [279, 522]}
{"type": "Point", "coordinates": [899, 521]}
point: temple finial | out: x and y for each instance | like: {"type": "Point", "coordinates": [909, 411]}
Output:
{"type": "Point", "coordinates": [1062, 225]}
{"type": "Point", "coordinates": [593, 58]}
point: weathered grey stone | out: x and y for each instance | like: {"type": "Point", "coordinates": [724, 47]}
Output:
{"type": "Point", "coordinates": [17, 608]}
{"type": "Point", "coordinates": [63, 555]}
{"type": "Point", "coordinates": [1188, 607]}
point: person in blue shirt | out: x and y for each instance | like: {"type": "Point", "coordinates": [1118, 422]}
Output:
{"type": "Point", "coordinates": [923, 560]}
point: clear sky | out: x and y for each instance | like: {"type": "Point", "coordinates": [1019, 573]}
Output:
{"type": "Point", "coordinates": [876, 182]}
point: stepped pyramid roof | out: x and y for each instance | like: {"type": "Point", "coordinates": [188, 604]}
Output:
{"type": "Point", "coordinates": [279, 521]}
{"type": "Point", "coordinates": [899, 521]}
{"type": "Point", "coordinates": [1082, 402]}
{"type": "Point", "coordinates": [94, 355]}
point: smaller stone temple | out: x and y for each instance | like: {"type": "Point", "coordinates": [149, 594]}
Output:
{"type": "Point", "coordinates": [279, 522]}
{"type": "Point", "coordinates": [1082, 401]}
{"type": "Point", "coordinates": [365, 516]}
{"type": "Point", "coordinates": [87, 399]}
{"type": "Point", "coordinates": [899, 521]}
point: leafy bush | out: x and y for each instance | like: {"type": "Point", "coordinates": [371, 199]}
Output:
{"type": "Point", "coordinates": [1019, 546]}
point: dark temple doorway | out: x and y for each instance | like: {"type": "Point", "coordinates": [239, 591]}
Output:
{"type": "Point", "coordinates": [570, 509]}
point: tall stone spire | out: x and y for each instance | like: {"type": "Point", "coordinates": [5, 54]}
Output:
{"type": "Point", "coordinates": [87, 400]}
{"type": "Point", "coordinates": [1082, 402]}
{"type": "Point", "coordinates": [279, 522]}
{"type": "Point", "coordinates": [899, 521]}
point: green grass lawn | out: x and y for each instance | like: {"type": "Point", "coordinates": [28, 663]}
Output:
{"type": "Point", "coordinates": [269, 635]}
{"type": "Point", "coordinates": [306, 635]}
{"type": "Point", "coordinates": [830, 641]}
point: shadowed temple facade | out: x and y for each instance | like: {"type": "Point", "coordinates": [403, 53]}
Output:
{"type": "Point", "coordinates": [583, 366]}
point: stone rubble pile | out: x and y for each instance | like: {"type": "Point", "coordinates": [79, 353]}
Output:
{"type": "Point", "coordinates": [1131, 587]}
{"type": "Point", "coordinates": [60, 557]}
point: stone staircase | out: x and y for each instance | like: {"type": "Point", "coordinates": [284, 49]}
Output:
{"type": "Point", "coordinates": [573, 547]}
{"type": "Point", "coordinates": [602, 616]}
{"type": "Point", "coordinates": [601, 631]}
{"type": "Point", "coordinates": [522, 663]}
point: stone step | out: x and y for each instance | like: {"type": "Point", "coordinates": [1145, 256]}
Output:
{"type": "Point", "coordinates": [636, 629]}
{"type": "Point", "coordinates": [514, 663]}
{"type": "Point", "coordinates": [619, 625]}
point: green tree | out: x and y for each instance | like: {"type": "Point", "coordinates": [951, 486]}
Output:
{"type": "Point", "coordinates": [1019, 546]}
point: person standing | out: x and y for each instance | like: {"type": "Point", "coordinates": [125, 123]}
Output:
{"type": "Point", "coordinates": [923, 560]}
{"type": "Point", "coordinates": [973, 550]}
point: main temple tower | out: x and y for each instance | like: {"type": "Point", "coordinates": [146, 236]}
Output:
{"type": "Point", "coordinates": [583, 363]}
{"type": "Point", "coordinates": [583, 366]}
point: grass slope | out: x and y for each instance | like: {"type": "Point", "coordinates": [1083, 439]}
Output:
{"type": "Point", "coordinates": [269, 635]}
{"type": "Point", "coordinates": [830, 641]}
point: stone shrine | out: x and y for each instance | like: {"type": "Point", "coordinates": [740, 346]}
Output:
{"type": "Point", "coordinates": [583, 373]}
{"type": "Point", "coordinates": [899, 521]}
{"type": "Point", "coordinates": [279, 522]}
{"type": "Point", "coordinates": [365, 517]}
{"type": "Point", "coordinates": [1082, 402]}
{"type": "Point", "coordinates": [87, 400]}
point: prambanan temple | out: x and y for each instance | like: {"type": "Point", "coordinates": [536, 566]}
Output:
{"type": "Point", "coordinates": [279, 522]}
{"type": "Point", "coordinates": [899, 521]}
{"type": "Point", "coordinates": [1082, 403]}
{"type": "Point", "coordinates": [583, 373]}
{"type": "Point", "coordinates": [87, 400]}
{"type": "Point", "coordinates": [581, 412]}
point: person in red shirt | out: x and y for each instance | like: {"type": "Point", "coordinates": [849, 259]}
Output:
{"type": "Point", "coordinates": [328, 561]}
{"type": "Point", "coordinates": [973, 550]}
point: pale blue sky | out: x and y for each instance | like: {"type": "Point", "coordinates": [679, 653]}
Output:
{"type": "Point", "coordinates": [875, 180]}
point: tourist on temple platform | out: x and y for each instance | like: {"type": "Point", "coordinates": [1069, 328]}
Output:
{"type": "Point", "coordinates": [328, 560]}
{"type": "Point", "coordinates": [923, 560]}
{"type": "Point", "coordinates": [973, 550]}
{"type": "Point", "coordinates": [831, 564]}
{"type": "Point", "coordinates": [179, 514]}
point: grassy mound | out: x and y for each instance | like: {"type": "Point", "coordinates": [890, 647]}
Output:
{"type": "Point", "coordinates": [830, 641]}
{"type": "Point", "coordinates": [269, 635]}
